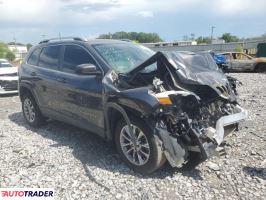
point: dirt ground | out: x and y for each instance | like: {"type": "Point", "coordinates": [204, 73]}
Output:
{"type": "Point", "coordinates": [79, 165]}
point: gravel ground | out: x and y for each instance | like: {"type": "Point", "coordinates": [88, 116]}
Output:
{"type": "Point", "coordinates": [81, 166]}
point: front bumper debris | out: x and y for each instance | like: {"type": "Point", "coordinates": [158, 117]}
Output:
{"type": "Point", "coordinates": [8, 84]}
{"type": "Point", "coordinates": [239, 115]}
{"type": "Point", "coordinates": [225, 124]}
{"type": "Point", "coordinates": [176, 151]}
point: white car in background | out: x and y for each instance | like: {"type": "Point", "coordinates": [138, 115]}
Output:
{"type": "Point", "coordinates": [8, 77]}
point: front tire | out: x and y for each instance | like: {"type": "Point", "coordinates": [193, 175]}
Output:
{"type": "Point", "coordinates": [31, 111]}
{"type": "Point", "coordinates": [141, 151]}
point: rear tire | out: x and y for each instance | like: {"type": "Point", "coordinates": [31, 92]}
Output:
{"type": "Point", "coordinates": [148, 153]}
{"type": "Point", "coordinates": [260, 68]}
{"type": "Point", "coordinates": [31, 111]}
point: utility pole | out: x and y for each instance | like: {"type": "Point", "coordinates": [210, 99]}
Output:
{"type": "Point", "coordinates": [15, 41]}
{"type": "Point", "coordinates": [15, 49]}
{"type": "Point", "coordinates": [59, 35]}
{"type": "Point", "coordinates": [213, 27]}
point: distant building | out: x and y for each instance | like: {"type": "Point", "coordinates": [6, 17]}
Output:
{"type": "Point", "coordinates": [218, 41]}
{"type": "Point", "coordinates": [20, 51]}
{"type": "Point", "coordinates": [170, 44]}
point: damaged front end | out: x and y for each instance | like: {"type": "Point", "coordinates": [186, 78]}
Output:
{"type": "Point", "coordinates": [8, 78]}
{"type": "Point", "coordinates": [8, 83]}
{"type": "Point", "coordinates": [192, 125]}
{"type": "Point", "coordinates": [186, 100]}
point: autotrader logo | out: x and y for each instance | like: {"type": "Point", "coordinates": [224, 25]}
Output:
{"type": "Point", "coordinates": [26, 193]}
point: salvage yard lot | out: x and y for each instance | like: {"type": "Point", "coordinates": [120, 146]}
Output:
{"type": "Point", "coordinates": [79, 165]}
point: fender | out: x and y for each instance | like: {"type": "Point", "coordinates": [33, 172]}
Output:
{"type": "Point", "coordinates": [106, 116]}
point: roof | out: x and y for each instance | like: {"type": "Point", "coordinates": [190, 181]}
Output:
{"type": "Point", "coordinates": [106, 41]}
{"type": "Point", "coordinates": [79, 39]}
{"type": "Point", "coordinates": [231, 52]}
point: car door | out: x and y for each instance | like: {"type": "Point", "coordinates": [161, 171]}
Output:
{"type": "Point", "coordinates": [44, 75]}
{"type": "Point", "coordinates": [81, 95]}
{"type": "Point", "coordinates": [241, 62]}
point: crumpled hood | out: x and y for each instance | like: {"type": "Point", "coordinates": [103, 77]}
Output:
{"type": "Point", "coordinates": [217, 81]}
{"type": "Point", "coordinates": [192, 69]}
{"type": "Point", "coordinates": [210, 78]}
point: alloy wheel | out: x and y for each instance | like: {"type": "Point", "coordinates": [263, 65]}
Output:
{"type": "Point", "coordinates": [135, 147]}
{"type": "Point", "coordinates": [29, 110]}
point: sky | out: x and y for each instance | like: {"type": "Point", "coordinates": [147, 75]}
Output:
{"type": "Point", "coordinates": [29, 21]}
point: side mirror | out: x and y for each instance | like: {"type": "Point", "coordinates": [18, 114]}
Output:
{"type": "Point", "coordinates": [87, 69]}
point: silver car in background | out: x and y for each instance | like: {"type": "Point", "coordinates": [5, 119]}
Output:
{"type": "Point", "coordinates": [8, 78]}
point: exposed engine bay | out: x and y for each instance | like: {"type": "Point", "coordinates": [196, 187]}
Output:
{"type": "Point", "coordinates": [188, 102]}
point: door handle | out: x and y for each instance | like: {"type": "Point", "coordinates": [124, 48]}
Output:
{"type": "Point", "coordinates": [33, 74]}
{"type": "Point", "coordinates": [61, 80]}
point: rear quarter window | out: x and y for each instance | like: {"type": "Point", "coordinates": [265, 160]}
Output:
{"type": "Point", "coordinates": [33, 59]}
{"type": "Point", "coordinates": [49, 57]}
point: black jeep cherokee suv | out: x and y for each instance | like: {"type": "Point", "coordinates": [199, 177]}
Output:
{"type": "Point", "coordinates": [153, 106]}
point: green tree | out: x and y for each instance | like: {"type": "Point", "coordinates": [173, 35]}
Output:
{"type": "Point", "coordinates": [3, 50]}
{"type": "Point", "coordinates": [203, 40]}
{"type": "Point", "coordinates": [15, 43]}
{"type": "Point", "coordinates": [6, 53]}
{"type": "Point", "coordinates": [28, 46]}
{"type": "Point", "coordinates": [227, 37]}
{"type": "Point", "coordinates": [239, 48]}
{"type": "Point", "coordinates": [10, 56]}
{"type": "Point", "coordinates": [134, 36]}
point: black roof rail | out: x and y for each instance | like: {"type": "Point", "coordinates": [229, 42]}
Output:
{"type": "Point", "coordinates": [63, 38]}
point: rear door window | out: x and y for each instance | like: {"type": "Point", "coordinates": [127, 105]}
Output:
{"type": "Point", "coordinates": [73, 56]}
{"type": "Point", "coordinates": [234, 56]}
{"type": "Point", "coordinates": [49, 57]}
{"type": "Point", "coordinates": [33, 59]}
{"type": "Point", "coordinates": [228, 57]}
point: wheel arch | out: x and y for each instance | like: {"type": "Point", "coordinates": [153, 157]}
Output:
{"type": "Point", "coordinates": [24, 89]}
{"type": "Point", "coordinates": [260, 67]}
{"type": "Point", "coordinates": [115, 112]}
